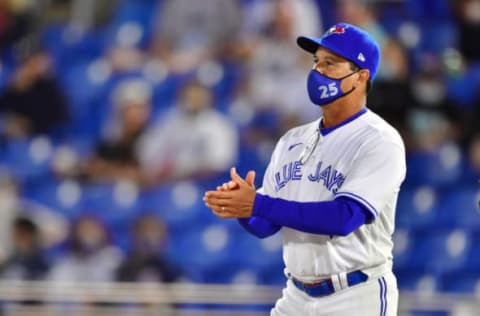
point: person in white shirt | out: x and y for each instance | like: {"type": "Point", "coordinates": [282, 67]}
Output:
{"type": "Point", "coordinates": [193, 140]}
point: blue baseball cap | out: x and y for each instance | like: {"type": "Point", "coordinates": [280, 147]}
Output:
{"type": "Point", "coordinates": [349, 42]}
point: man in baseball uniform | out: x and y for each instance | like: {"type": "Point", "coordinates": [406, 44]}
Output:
{"type": "Point", "coordinates": [331, 187]}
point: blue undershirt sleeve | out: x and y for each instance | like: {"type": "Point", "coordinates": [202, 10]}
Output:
{"type": "Point", "coordinates": [258, 226]}
{"type": "Point", "coordinates": [338, 217]}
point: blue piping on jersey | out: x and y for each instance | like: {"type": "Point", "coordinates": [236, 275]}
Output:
{"type": "Point", "coordinates": [327, 130]}
{"type": "Point", "coordinates": [361, 200]}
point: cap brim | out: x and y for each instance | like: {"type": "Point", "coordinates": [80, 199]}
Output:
{"type": "Point", "coordinates": [309, 44]}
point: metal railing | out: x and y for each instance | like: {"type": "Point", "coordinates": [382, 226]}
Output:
{"type": "Point", "coordinates": [73, 298]}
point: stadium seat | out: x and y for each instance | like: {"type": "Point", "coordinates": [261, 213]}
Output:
{"type": "Point", "coordinates": [460, 207]}
{"type": "Point", "coordinates": [117, 204]}
{"type": "Point", "coordinates": [461, 282]}
{"type": "Point", "coordinates": [273, 274]}
{"type": "Point", "coordinates": [472, 263]}
{"type": "Point", "coordinates": [143, 13]}
{"type": "Point", "coordinates": [229, 272]}
{"type": "Point", "coordinates": [179, 204]}
{"type": "Point", "coordinates": [257, 253]}
{"type": "Point", "coordinates": [417, 207]}
{"type": "Point", "coordinates": [439, 251]}
{"type": "Point", "coordinates": [403, 247]}
{"type": "Point", "coordinates": [439, 168]}
{"type": "Point", "coordinates": [63, 196]}
{"type": "Point", "coordinates": [28, 159]}
{"type": "Point", "coordinates": [414, 280]}
{"type": "Point", "coordinates": [428, 10]}
{"type": "Point", "coordinates": [197, 249]}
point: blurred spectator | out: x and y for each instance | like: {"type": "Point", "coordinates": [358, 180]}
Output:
{"type": "Point", "coordinates": [433, 108]}
{"type": "Point", "coordinates": [90, 256]}
{"type": "Point", "coordinates": [394, 64]}
{"type": "Point", "coordinates": [191, 32]}
{"type": "Point", "coordinates": [81, 15]}
{"type": "Point", "coordinates": [115, 155]}
{"type": "Point", "coordinates": [9, 203]}
{"type": "Point", "coordinates": [468, 18]}
{"type": "Point", "coordinates": [33, 102]}
{"type": "Point", "coordinates": [259, 14]}
{"type": "Point", "coordinates": [146, 261]}
{"type": "Point", "coordinates": [390, 95]}
{"type": "Point", "coordinates": [278, 70]}
{"type": "Point", "coordinates": [192, 141]}
{"type": "Point", "coordinates": [474, 156]}
{"type": "Point", "coordinates": [26, 261]}
{"type": "Point", "coordinates": [17, 21]}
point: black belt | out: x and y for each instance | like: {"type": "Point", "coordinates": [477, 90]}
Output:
{"type": "Point", "coordinates": [325, 287]}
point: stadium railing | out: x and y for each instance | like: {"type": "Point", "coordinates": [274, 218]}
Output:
{"type": "Point", "coordinates": [21, 298]}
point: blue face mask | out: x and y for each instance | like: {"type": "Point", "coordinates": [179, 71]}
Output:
{"type": "Point", "coordinates": [323, 90]}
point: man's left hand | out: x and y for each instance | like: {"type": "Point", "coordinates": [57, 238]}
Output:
{"type": "Point", "coordinates": [234, 201]}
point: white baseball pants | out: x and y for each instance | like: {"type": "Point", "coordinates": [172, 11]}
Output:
{"type": "Point", "coordinates": [376, 297]}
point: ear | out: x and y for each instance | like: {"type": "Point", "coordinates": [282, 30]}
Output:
{"type": "Point", "coordinates": [363, 76]}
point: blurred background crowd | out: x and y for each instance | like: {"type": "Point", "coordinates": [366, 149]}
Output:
{"type": "Point", "coordinates": [116, 115]}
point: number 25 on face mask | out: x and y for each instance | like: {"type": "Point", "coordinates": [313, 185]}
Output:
{"type": "Point", "coordinates": [328, 91]}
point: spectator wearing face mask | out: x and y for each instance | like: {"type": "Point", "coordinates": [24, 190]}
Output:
{"type": "Point", "coordinates": [468, 18]}
{"type": "Point", "coordinates": [32, 103]}
{"type": "Point", "coordinates": [90, 256]}
{"type": "Point", "coordinates": [26, 261]}
{"type": "Point", "coordinates": [115, 156]}
{"type": "Point", "coordinates": [193, 140]}
{"type": "Point", "coordinates": [146, 261]}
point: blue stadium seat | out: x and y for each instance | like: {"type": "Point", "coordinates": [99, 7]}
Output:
{"type": "Point", "coordinates": [460, 207]}
{"type": "Point", "coordinates": [143, 14]}
{"type": "Point", "coordinates": [472, 263]}
{"type": "Point", "coordinates": [439, 168]}
{"type": "Point", "coordinates": [196, 249]}
{"type": "Point", "coordinates": [462, 87]}
{"type": "Point", "coordinates": [414, 280]}
{"type": "Point", "coordinates": [403, 247]}
{"type": "Point", "coordinates": [461, 282]}
{"type": "Point", "coordinates": [68, 46]}
{"type": "Point", "coordinates": [29, 159]}
{"type": "Point", "coordinates": [273, 274]}
{"type": "Point", "coordinates": [439, 251]}
{"type": "Point", "coordinates": [257, 253]}
{"type": "Point", "coordinates": [179, 204]}
{"type": "Point", "coordinates": [437, 37]}
{"type": "Point", "coordinates": [94, 76]}
{"type": "Point", "coordinates": [116, 204]}
{"type": "Point", "coordinates": [66, 197]}
{"type": "Point", "coordinates": [428, 10]}
{"type": "Point", "coordinates": [417, 207]}
{"type": "Point", "coordinates": [230, 272]}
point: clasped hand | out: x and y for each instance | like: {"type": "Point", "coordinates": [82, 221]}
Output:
{"type": "Point", "coordinates": [233, 199]}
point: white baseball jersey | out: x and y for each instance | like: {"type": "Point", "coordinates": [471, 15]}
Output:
{"type": "Point", "coordinates": [362, 158]}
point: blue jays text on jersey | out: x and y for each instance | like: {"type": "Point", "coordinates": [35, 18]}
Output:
{"type": "Point", "coordinates": [331, 178]}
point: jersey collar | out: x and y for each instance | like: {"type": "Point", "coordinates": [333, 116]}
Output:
{"type": "Point", "coordinates": [327, 130]}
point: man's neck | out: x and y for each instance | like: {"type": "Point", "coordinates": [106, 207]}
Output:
{"type": "Point", "coordinates": [336, 113]}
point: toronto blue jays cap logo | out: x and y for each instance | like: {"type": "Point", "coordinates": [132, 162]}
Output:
{"type": "Point", "coordinates": [336, 29]}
